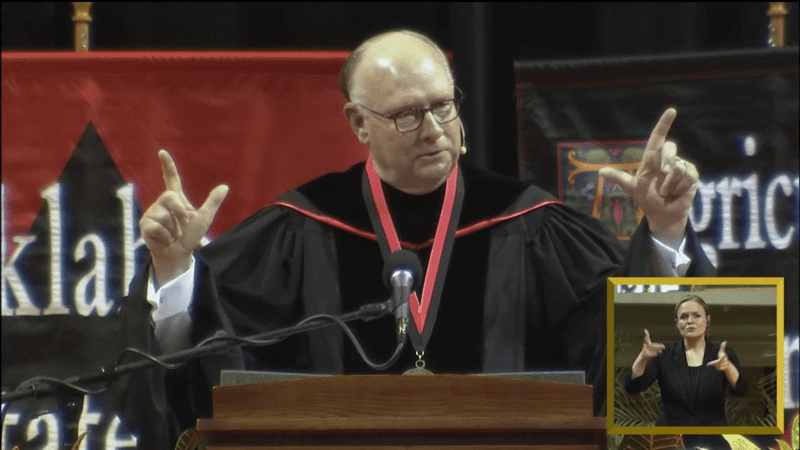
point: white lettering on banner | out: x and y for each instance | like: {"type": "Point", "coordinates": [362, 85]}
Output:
{"type": "Point", "coordinates": [83, 301]}
{"type": "Point", "coordinates": [781, 231]}
{"type": "Point", "coordinates": [125, 194]}
{"type": "Point", "coordinates": [9, 420]}
{"type": "Point", "coordinates": [99, 300]}
{"type": "Point", "coordinates": [727, 188]}
{"type": "Point", "coordinates": [754, 236]}
{"type": "Point", "coordinates": [10, 273]}
{"type": "Point", "coordinates": [52, 195]}
{"type": "Point", "coordinates": [749, 145]}
{"type": "Point", "coordinates": [113, 441]}
{"type": "Point", "coordinates": [52, 429]}
{"type": "Point", "coordinates": [706, 194]}
{"type": "Point", "coordinates": [88, 417]}
{"type": "Point", "coordinates": [25, 306]}
{"type": "Point", "coordinates": [103, 430]}
{"type": "Point", "coordinates": [779, 241]}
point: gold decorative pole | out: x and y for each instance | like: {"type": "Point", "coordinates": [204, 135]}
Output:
{"type": "Point", "coordinates": [777, 23]}
{"type": "Point", "coordinates": [81, 19]}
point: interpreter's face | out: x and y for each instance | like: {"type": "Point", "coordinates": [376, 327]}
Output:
{"type": "Point", "coordinates": [416, 161]}
{"type": "Point", "coordinates": [692, 320]}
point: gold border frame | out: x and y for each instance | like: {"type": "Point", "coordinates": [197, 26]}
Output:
{"type": "Point", "coordinates": [779, 367]}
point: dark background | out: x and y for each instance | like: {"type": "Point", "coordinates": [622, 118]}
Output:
{"type": "Point", "coordinates": [485, 38]}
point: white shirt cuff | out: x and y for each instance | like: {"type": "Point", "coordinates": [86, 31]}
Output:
{"type": "Point", "coordinates": [677, 259]}
{"type": "Point", "coordinates": [172, 298]}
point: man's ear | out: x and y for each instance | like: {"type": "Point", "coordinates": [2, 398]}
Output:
{"type": "Point", "coordinates": [357, 122]}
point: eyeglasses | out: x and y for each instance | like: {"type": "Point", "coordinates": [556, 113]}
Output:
{"type": "Point", "coordinates": [411, 119]}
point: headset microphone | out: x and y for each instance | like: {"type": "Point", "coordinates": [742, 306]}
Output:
{"type": "Point", "coordinates": [463, 140]}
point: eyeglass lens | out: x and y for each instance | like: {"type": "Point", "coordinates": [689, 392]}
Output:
{"type": "Point", "coordinates": [411, 120]}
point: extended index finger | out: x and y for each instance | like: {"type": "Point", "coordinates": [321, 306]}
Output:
{"type": "Point", "coordinates": [658, 136]}
{"type": "Point", "coordinates": [172, 181]}
{"type": "Point", "coordinates": [659, 133]}
{"type": "Point", "coordinates": [647, 337]}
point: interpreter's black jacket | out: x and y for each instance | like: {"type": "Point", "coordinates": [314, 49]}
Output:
{"type": "Point", "coordinates": [684, 402]}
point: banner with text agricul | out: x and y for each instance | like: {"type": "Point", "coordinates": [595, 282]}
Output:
{"type": "Point", "coordinates": [737, 121]}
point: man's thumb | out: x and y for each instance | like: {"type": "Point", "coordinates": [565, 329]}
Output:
{"type": "Point", "coordinates": [214, 201]}
{"type": "Point", "coordinates": [621, 178]}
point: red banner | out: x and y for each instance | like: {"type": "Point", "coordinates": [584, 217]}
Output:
{"type": "Point", "coordinates": [80, 138]}
{"type": "Point", "coordinates": [261, 122]}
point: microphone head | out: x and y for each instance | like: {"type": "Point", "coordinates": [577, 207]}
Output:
{"type": "Point", "coordinates": [403, 260]}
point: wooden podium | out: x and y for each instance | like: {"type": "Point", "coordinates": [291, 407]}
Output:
{"type": "Point", "coordinates": [394, 411]}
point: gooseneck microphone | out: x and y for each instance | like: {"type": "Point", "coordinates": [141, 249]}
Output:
{"type": "Point", "coordinates": [402, 272]}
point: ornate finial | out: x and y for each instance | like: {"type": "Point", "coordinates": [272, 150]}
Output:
{"type": "Point", "coordinates": [81, 19]}
{"type": "Point", "coordinates": [777, 23]}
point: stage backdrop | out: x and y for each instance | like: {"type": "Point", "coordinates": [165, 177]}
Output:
{"type": "Point", "coordinates": [737, 122]}
{"type": "Point", "coordinates": [80, 136]}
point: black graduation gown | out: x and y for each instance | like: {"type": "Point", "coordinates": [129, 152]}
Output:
{"type": "Point", "coordinates": [157, 404]}
{"type": "Point", "coordinates": [525, 290]}
{"type": "Point", "coordinates": [686, 401]}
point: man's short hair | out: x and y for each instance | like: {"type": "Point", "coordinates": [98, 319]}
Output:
{"type": "Point", "coordinates": [351, 63]}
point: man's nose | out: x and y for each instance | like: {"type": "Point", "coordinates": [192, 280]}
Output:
{"type": "Point", "coordinates": [430, 125]}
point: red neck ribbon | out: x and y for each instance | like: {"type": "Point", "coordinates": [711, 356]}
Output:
{"type": "Point", "coordinates": [419, 310]}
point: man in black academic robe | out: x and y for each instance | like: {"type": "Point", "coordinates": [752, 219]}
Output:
{"type": "Point", "coordinates": [523, 282]}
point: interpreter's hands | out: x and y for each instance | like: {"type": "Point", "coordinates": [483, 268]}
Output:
{"type": "Point", "coordinates": [650, 349]}
{"type": "Point", "coordinates": [664, 184]}
{"type": "Point", "coordinates": [172, 227]}
{"type": "Point", "coordinates": [722, 363]}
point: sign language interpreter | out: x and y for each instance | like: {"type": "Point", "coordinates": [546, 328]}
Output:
{"type": "Point", "coordinates": [692, 384]}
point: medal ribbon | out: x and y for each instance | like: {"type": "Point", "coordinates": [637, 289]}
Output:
{"type": "Point", "coordinates": [421, 312]}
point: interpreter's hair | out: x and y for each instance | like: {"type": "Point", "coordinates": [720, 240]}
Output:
{"type": "Point", "coordinates": [352, 61]}
{"type": "Point", "coordinates": [691, 298]}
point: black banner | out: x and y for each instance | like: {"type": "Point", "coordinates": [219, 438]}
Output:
{"type": "Point", "coordinates": [737, 122]}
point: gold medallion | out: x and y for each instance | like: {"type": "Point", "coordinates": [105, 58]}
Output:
{"type": "Point", "coordinates": [417, 371]}
{"type": "Point", "coordinates": [420, 369]}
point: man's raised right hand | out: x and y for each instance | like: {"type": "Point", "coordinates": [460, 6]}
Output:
{"type": "Point", "coordinates": [172, 227]}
